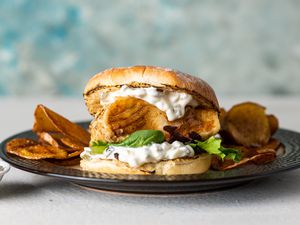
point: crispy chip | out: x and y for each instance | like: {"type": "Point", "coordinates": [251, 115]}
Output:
{"type": "Point", "coordinates": [258, 155]}
{"type": "Point", "coordinates": [272, 144]}
{"type": "Point", "coordinates": [49, 138]}
{"type": "Point", "coordinates": [222, 116]}
{"type": "Point", "coordinates": [72, 144]}
{"type": "Point", "coordinates": [273, 123]}
{"type": "Point", "coordinates": [30, 149]}
{"type": "Point", "coordinates": [246, 124]}
{"type": "Point", "coordinates": [60, 141]}
{"type": "Point", "coordinates": [264, 156]}
{"type": "Point", "coordinates": [19, 142]}
{"type": "Point", "coordinates": [74, 154]}
{"type": "Point", "coordinates": [58, 138]}
{"type": "Point", "coordinates": [48, 121]}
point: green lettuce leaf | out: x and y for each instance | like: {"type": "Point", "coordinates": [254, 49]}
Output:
{"type": "Point", "coordinates": [231, 153]}
{"type": "Point", "coordinates": [98, 147]}
{"type": "Point", "coordinates": [213, 146]}
{"type": "Point", "coordinates": [136, 139]}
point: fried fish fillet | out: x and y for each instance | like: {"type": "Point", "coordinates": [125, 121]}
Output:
{"type": "Point", "coordinates": [128, 114]}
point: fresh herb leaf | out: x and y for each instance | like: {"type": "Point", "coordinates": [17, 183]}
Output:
{"type": "Point", "coordinates": [136, 139]}
{"type": "Point", "coordinates": [213, 146]}
{"type": "Point", "coordinates": [141, 138]}
{"type": "Point", "coordinates": [98, 147]}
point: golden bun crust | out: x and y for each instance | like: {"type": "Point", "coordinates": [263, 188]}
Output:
{"type": "Point", "coordinates": [143, 76]}
{"type": "Point", "coordinates": [196, 165]}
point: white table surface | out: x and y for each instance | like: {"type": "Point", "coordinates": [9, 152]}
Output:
{"type": "Point", "coordinates": [32, 199]}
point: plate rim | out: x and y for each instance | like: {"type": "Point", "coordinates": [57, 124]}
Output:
{"type": "Point", "coordinates": [3, 156]}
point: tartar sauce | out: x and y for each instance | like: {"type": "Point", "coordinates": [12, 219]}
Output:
{"type": "Point", "coordinates": [146, 154]}
{"type": "Point", "coordinates": [171, 102]}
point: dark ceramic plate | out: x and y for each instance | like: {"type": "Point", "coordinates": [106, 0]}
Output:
{"type": "Point", "coordinates": [212, 180]}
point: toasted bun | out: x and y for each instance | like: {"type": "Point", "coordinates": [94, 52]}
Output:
{"type": "Point", "coordinates": [196, 165]}
{"type": "Point", "coordinates": [145, 76]}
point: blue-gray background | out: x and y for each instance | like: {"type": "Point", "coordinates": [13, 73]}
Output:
{"type": "Point", "coordinates": [240, 47]}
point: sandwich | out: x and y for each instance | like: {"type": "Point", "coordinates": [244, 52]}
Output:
{"type": "Point", "coordinates": [151, 120]}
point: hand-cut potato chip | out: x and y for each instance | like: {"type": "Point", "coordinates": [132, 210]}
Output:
{"type": "Point", "coordinates": [30, 149]}
{"type": "Point", "coordinates": [60, 141]}
{"type": "Point", "coordinates": [246, 124]}
{"type": "Point", "coordinates": [58, 138]}
{"type": "Point", "coordinates": [74, 154]}
{"type": "Point", "coordinates": [222, 116]}
{"type": "Point", "coordinates": [258, 155]}
{"type": "Point", "coordinates": [267, 156]}
{"type": "Point", "coordinates": [273, 123]}
{"type": "Point", "coordinates": [51, 139]}
{"type": "Point", "coordinates": [73, 144]}
{"type": "Point", "coordinates": [48, 121]}
{"type": "Point", "coordinates": [272, 144]}
{"type": "Point", "coordinates": [19, 142]}
{"type": "Point", "coordinates": [264, 156]}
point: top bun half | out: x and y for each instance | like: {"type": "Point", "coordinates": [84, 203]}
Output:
{"type": "Point", "coordinates": [146, 76]}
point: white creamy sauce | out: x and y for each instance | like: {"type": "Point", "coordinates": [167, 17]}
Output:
{"type": "Point", "coordinates": [172, 103]}
{"type": "Point", "coordinates": [146, 154]}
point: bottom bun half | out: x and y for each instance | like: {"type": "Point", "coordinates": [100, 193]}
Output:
{"type": "Point", "coordinates": [196, 165]}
